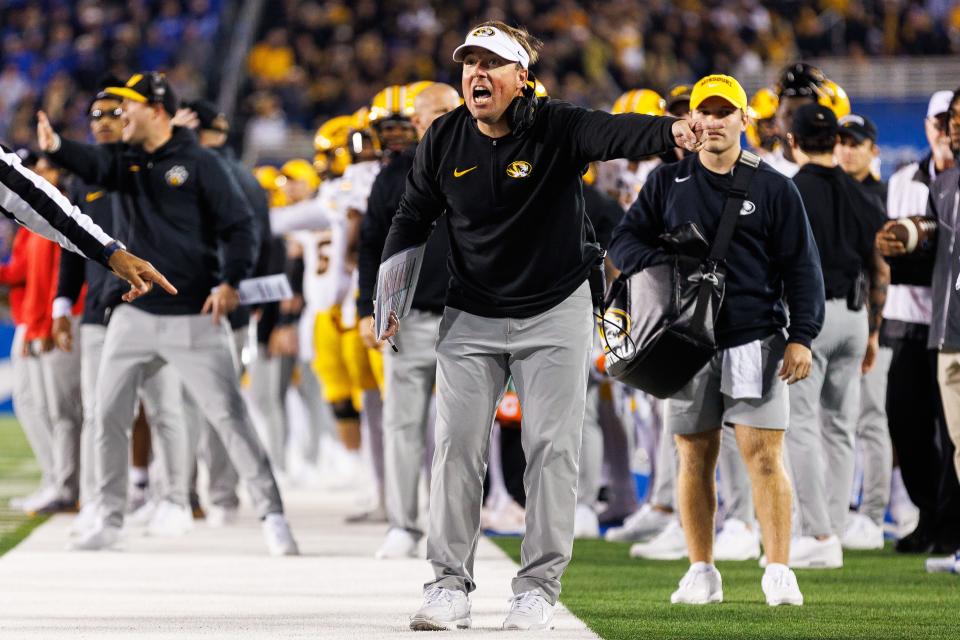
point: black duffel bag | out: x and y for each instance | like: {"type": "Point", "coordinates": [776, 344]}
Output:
{"type": "Point", "coordinates": [658, 324]}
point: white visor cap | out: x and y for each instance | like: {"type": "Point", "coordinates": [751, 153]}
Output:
{"type": "Point", "coordinates": [496, 41]}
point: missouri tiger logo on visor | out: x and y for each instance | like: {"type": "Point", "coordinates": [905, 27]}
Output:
{"type": "Point", "coordinates": [483, 32]}
{"type": "Point", "coordinates": [519, 169]}
{"type": "Point", "coordinates": [176, 176]}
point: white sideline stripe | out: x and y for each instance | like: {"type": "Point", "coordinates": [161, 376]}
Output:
{"type": "Point", "coordinates": [219, 583]}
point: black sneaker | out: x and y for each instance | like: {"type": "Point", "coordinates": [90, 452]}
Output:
{"type": "Point", "coordinates": [920, 541]}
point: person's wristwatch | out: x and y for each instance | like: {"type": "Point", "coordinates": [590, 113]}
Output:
{"type": "Point", "coordinates": [112, 248]}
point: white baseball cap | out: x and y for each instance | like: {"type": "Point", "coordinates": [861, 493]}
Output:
{"type": "Point", "coordinates": [496, 41]}
{"type": "Point", "coordinates": [939, 103]}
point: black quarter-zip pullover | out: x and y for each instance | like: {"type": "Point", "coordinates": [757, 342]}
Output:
{"type": "Point", "coordinates": [514, 205]}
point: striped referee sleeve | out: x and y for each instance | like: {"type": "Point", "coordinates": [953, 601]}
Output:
{"type": "Point", "coordinates": [40, 207]}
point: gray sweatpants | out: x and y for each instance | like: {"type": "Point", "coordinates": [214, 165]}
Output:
{"type": "Point", "coordinates": [207, 446]}
{"type": "Point", "coordinates": [162, 409]}
{"type": "Point", "coordinates": [91, 349]}
{"type": "Point", "coordinates": [61, 381]}
{"type": "Point", "coordinates": [410, 376]}
{"type": "Point", "coordinates": [267, 394]}
{"type": "Point", "coordinates": [30, 405]}
{"type": "Point", "coordinates": [591, 450]}
{"type": "Point", "coordinates": [873, 439]}
{"type": "Point", "coordinates": [824, 409]}
{"type": "Point", "coordinates": [137, 346]}
{"type": "Point", "coordinates": [547, 356]}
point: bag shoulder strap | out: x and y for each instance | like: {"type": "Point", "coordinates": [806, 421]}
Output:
{"type": "Point", "coordinates": [746, 167]}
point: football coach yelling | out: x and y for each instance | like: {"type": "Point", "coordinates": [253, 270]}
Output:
{"type": "Point", "coordinates": [505, 168]}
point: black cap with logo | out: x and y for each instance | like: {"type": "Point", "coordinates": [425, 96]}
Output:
{"type": "Point", "coordinates": [209, 116]}
{"type": "Point", "coordinates": [858, 127]}
{"type": "Point", "coordinates": [813, 120]}
{"type": "Point", "coordinates": [148, 88]}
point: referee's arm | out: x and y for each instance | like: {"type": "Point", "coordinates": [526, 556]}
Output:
{"type": "Point", "coordinates": [39, 206]}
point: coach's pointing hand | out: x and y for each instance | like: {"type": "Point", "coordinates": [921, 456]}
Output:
{"type": "Point", "coordinates": [689, 135]}
{"type": "Point", "coordinates": [139, 273]}
{"type": "Point", "coordinates": [221, 301]}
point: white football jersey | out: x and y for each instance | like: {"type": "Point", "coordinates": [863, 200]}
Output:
{"type": "Point", "coordinates": [355, 188]}
{"type": "Point", "coordinates": [323, 281]}
{"type": "Point", "coordinates": [618, 179]}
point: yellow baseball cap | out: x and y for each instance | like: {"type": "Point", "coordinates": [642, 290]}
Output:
{"type": "Point", "coordinates": [720, 86]}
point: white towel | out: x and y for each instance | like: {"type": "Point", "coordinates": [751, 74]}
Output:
{"type": "Point", "coordinates": [743, 371]}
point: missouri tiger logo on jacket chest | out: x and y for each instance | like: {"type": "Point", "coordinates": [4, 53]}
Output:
{"type": "Point", "coordinates": [519, 169]}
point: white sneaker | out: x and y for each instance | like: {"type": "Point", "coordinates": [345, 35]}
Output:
{"type": "Point", "coordinates": [442, 609]}
{"type": "Point", "coordinates": [949, 564]}
{"type": "Point", "coordinates": [700, 585]}
{"type": "Point", "coordinates": [102, 536]}
{"type": "Point", "coordinates": [276, 531]}
{"type": "Point", "coordinates": [641, 525]}
{"type": "Point", "coordinates": [806, 552]}
{"type": "Point", "coordinates": [39, 499]}
{"type": "Point", "coordinates": [669, 544]}
{"type": "Point", "coordinates": [17, 503]}
{"type": "Point", "coordinates": [170, 520]}
{"type": "Point", "coordinates": [529, 611]}
{"type": "Point", "coordinates": [142, 516]}
{"type": "Point", "coordinates": [399, 543]}
{"type": "Point", "coordinates": [84, 521]}
{"type": "Point", "coordinates": [861, 533]}
{"type": "Point", "coordinates": [219, 517]}
{"type": "Point", "coordinates": [136, 497]}
{"type": "Point", "coordinates": [779, 584]}
{"type": "Point", "coordinates": [586, 525]}
{"type": "Point", "coordinates": [508, 519]}
{"type": "Point", "coordinates": [736, 541]}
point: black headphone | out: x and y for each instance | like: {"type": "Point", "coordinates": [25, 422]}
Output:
{"type": "Point", "coordinates": [522, 111]}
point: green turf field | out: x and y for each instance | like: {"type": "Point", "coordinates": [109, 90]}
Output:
{"type": "Point", "coordinates": [877, 594]}
{"type": "Point", "coordinates": [19, 475]}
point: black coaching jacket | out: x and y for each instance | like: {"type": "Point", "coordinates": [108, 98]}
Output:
{"type": "Point", "coordinates": [515, 205]}
{"type": "Point", "coordinates": [182, 210]}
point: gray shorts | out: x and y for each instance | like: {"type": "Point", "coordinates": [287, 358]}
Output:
{"type": "Point", "coordinates": [700, 406]}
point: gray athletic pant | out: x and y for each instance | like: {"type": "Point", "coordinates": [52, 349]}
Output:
{"type": "Point", "coordinates": [91, 348]}
{"type": "Point", "coordinates": [266, 391]}
{"type": "Point", "coordinates": [30, 405]}
{"type": "Point", "coordinates": [873, 437]}
{"type": "Point", "coordinates": [824, 409]}
{"type": "Point", "coordinates": [137, 346]}
{"type": "Point", "coordinates": [206, 445]}
{"type": "Point", "coordinates": [318, 412]}
{"type": "Point", "coordinates": [617, 433]}
{"type": "Point", "coordinates": [547, 355]}
{"type": "Point", "coordinates": [61, 381]}
{"type": "Point", "coordinates": [591, 450]}
{"type": "Point", "coordinates": [159, 395]}
{"type": "Point", "coordinates": [409, 378]}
